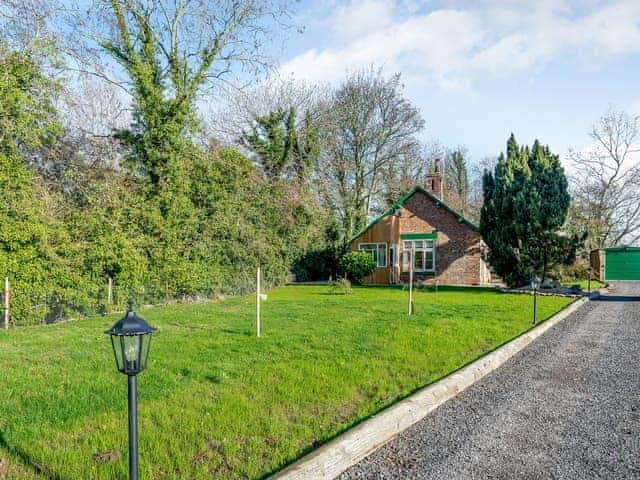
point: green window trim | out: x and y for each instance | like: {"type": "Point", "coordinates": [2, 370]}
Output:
{"type": "Point", "coordinates": [418, 236]}
{"type": "Point", "coordinates": [421, 252]}
{"type": "Point", "coordinates": [424, 273]}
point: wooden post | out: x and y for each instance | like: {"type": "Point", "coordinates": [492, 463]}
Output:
{"type": "Point", "coordinates": [411, 280]}
{"type": "Point", "coordinates": [258, 319]}
{"type": "Point", "coordinates": [110, 291]}
{"type": "Point", "coordinates": [7, 303]}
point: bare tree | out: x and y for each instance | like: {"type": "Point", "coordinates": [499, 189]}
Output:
{"type": "Point", "coordinates": [91, 112]}
{"type": "Point", "coordinates": [369, 127]}
{"type": "Point", "coordinates": [191, 42]}
{"type": "Point", "coordinates": [606, 182]}
{"type": "Point", "coordinates": [25, 24]}
{"type": "Point", "coordinates": [476, 196]}
{"type": "Point", "coordinates": [233, 111]}
{"type": "Point", "coordinates": [411, 168]}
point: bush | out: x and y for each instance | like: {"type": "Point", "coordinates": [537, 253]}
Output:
{"type": "Point", "coordinates": [315, 265]}
{"type": "Point", "coordinates": [342, 283]}
{"type": "Point", "coordinates": [357, 265]}
{"type": "Point", "coordinates": [345, 284]}
{"type": "Point", "coordinates": [571, 273]}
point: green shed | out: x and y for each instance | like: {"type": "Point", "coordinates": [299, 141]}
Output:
{"type": "Point", "coordinates": [622, 263]}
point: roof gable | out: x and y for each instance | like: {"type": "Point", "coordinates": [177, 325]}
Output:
{"type": "Point", "coordinates": [403, 200]}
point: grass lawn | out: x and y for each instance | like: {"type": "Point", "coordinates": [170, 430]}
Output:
{"type": "Point", "coordinates": [584, 284]}
{"type": "Point", "coordinates": [218, 402]}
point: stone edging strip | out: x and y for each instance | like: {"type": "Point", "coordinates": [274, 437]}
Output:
{"type": "Point", "coordinates": [333, 458]}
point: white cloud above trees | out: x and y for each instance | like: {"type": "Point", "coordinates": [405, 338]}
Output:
{"type": "Point", "coordinates": [453, 46]}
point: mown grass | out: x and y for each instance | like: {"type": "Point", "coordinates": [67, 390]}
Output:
{"type": "Point", "coordinates": [218, 402]}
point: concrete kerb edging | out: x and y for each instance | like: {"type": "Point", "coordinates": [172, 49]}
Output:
{"type": "Point", "coordinates": [333, 458]}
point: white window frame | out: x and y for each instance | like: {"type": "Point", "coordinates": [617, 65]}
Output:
{"type": "Point", "coordinates": [377, 258]}
{"type": "Point", "coordinates": [406, 251]}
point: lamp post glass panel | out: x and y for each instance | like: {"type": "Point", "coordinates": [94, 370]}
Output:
{"type": "Point", "coordinates": [131, 338]}
{"type": "Point", "coordinates": [535, 284]}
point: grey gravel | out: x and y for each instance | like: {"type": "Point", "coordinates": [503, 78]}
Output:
{"type": "Point", "coordinates": [566, 407]}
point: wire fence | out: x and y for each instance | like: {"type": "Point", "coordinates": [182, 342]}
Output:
{"type": "Point", "coordinates": [27, 307]}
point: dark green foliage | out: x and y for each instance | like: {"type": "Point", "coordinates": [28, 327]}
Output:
{"type": "Point", "coordinates": [320, 263]}
{"type": "Point", "coordinates": [316, 265]}
{"type": "Point", "coordinates": [525, 207]}
{"type": "Point", "coordinates": [356, 266]}
{"type": "Point", "coordinates": [282, 148]}
{"type": "Point", "coordinates": [457, 180]}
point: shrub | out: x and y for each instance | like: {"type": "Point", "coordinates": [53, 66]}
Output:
{"type": "Point", "coordinates": [342, 283]}
{"type": "Point", "coordinates": [345, 284]}
{"type": "Point", "coordinates": [357, 265]}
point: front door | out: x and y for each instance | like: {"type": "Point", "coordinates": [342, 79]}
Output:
{"type": "Point", "coordinates": [393, 256]}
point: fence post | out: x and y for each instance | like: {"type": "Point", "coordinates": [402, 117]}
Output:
{"type": "Point", "coordinates": [7, 303]}
{"type": "Point", "coordinates": [258, 302]}
{"type": "Point", "coordinates": [110, 291]}
{"type": "Point", "coordinates": [411, 280]}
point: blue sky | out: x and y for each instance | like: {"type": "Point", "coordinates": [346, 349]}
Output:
{"type": "Point", "coordinates": [480, 69]}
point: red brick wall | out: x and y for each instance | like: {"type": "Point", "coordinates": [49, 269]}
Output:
{"type": "Point", "coordinates": [458, 254]}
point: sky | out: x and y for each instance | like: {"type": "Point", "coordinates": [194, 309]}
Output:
{"type": "Point", "coordinates": [479, 70]}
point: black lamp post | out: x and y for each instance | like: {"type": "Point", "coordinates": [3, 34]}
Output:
{"type": "Point", "coordinates": [589, 281]}
{"type": "Point", "coordinates": [535, 284]}
{"type": "Point", "coordinates": [131, 338]}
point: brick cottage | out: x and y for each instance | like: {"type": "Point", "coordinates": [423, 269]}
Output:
{"type": "Point", "coordinates": [447, 248]}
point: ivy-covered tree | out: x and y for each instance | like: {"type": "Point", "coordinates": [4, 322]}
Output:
{"type": "Point", "coordinates": [525, 207]}
{"type": "Point", "coordinates": [283, 147]}
{"type": "Point", "coordinates": [164, 54]}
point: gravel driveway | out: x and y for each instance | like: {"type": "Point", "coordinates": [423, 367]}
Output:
{"type": "Point", "coordinates": [566, 407]}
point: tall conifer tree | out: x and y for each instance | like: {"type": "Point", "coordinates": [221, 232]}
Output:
{"type": "Point", "coordinates": [526, 201]}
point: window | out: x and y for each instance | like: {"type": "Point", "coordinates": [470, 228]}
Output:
{"type": "Point", "coordinates": [378, 252]}
{"type": "Point", "coordinates": [424, 260]}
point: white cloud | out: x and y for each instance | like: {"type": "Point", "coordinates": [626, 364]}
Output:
{"type": "Point", "coordinates": [358, 18]}
{"type": "Point", "coordinates": [438, 41]}
{"type": "Point", "coordinates": [452, 47]}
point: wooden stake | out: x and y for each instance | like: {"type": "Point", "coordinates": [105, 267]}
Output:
{"type": "Point", "coordinates": [411, 280]}
{"type": "Point", "coordinates": [7, 303]}
{"type": "Point", "coordinates": [110, 291]}
{"type": "Point", "coordinates": [258, 319]}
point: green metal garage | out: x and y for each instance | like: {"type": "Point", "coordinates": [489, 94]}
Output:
{"type": "Point", "coordinates": [622, 263]}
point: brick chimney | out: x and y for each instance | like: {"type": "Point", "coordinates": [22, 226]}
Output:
{"type": "Point", "coordinates": [434, 183]}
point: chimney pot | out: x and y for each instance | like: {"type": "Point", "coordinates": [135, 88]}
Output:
{"type": "Point", "coordinates": [434, 183]}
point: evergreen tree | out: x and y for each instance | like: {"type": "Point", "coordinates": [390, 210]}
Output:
{"type": "Point", "coordinates": [457, 180]}
{"type": "Point", "coordinates": [526, 201]}
{"type": "Point", "coordinates": [283, 148]}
